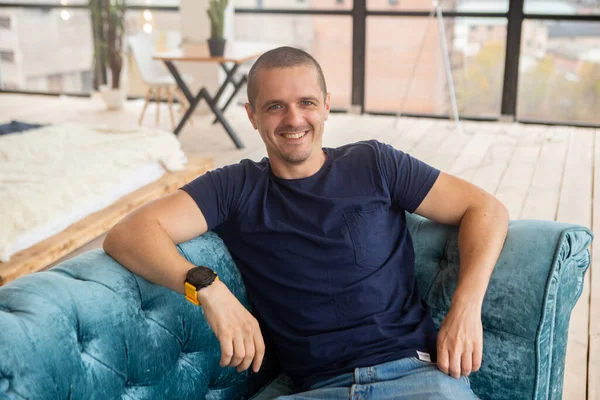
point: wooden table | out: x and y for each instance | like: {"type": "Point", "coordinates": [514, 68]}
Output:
{"type": "Point", "coordinates": [236, 53]}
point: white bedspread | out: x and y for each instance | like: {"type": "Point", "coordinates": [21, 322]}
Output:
{"type": "Point", "coordinates": [48, 173]}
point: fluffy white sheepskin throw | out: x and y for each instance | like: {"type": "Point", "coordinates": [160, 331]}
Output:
{"type": "Point", "coordinates": [45, 172]}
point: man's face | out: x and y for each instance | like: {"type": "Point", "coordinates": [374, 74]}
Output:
{"type": "Point", "coordinates": [290, 113]}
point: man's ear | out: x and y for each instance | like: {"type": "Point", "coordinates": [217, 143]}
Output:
{"type": "Point", "coordinates": [327, 105]}
{"type": "Point", "coordinates": [251, 116]}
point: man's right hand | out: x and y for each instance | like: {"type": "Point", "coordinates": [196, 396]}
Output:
{"type": "Point", "coordinates": [236, 329]}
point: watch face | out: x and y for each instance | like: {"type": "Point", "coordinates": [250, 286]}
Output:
{"type": "Point", "coordinates": [200, 277]}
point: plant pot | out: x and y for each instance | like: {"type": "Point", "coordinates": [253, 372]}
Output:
{"type": "Point", "coordinates": [216, 46]}
{"type": "Point", "coordinates": [114, 98]}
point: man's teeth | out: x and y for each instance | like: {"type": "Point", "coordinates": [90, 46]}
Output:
{"type": "Point", "coordinates": [294, 135]}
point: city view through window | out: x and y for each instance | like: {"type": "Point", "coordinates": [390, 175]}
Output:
{"type": "Point", "coordinates": [50, 50]}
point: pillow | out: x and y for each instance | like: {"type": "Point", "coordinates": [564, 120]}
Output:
{"type": "Point", "coordinates": [17, 126]}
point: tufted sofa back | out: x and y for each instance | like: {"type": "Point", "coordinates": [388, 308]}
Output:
{"type": "Point", "coordinates": [90, 329]}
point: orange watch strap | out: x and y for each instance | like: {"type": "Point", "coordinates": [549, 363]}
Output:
{"type": "Point", "coordinates": [191, 294]}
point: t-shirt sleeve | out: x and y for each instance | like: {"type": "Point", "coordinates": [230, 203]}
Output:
{"type": "Point", "coordinates": [218, 193]}
{"type": "Point", "coordinates": [408, 179]}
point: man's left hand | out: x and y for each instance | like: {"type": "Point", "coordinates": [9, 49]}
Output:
{"type": "Point", "coordinates": [460, 341]}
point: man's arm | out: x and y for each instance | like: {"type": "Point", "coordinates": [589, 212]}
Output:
{"type": "Point", "coordinates": [145, 243]}
{"type": "Point", "coordinates": [483, 222]}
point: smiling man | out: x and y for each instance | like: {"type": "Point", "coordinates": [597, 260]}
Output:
{"type": "Point", "coordinates": [320, 237]}
{"type": "Point", "coordinates": [289, 112]}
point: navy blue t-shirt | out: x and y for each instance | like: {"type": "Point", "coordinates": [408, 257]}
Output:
{"type": "Point", "coordinates": [327, 260]}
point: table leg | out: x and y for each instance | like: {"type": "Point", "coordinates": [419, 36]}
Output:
{"type": "Point", "coordinates": [228, 79]}
{"type": "Point", "coordinates": [188, 113]}
{"type": "Point", "coordinates": [238, 85]}
{"type": "Point", "coordinates": [193, 102]}
{"type": "Point", "coordinates": [215, 109]}
{"type": "Point", "coordinates": [180, 82]}
{"type": "Point", "coordinates": [203, 94]}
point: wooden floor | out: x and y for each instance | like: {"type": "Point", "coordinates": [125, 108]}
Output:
{"type": "Point", "coordinates": [538, 172]}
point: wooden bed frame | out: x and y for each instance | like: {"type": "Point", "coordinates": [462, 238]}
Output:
{"type": "Point", "coordinates": [41, 255]}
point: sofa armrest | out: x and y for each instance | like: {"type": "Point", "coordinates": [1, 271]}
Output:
{"type": "Point", "coordinates": [526, 310]}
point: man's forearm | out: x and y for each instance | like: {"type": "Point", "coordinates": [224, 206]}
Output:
{"type": "Point", "coordinates": [145, 248]}
{"type": "Point", "coordinates": [481, 237]}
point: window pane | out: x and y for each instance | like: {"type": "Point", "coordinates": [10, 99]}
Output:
{"type": "Point", "coordinates": [454, 5]}
{"type": "Point", "coordinates": [148, 3]}
{"type": "Point", "coordinates": [328, 39]}
{"type": "Point", "coordinates": [562, 7]}
{"type": "Point", "coordinates": [164, 31]}
{"type": "Point", "coordinates": [296, 4]}
{"type": "Point", "coordinates": [151, 3]}
{"type": "Point", "coordinates": [59, 60]}
{"type": "Point", "coordinates": [49, 2]}
{"type": "Point", "coordinates": [476, 50]}
{"type": "Point", "coordinates": [559, 71]}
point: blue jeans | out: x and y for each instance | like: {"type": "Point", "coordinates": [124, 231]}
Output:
{"type": "Point", "coordinates": [407, 378]}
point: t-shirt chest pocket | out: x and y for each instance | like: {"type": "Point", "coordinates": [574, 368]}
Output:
{"type": "Point", "coordinates": [371, 233]}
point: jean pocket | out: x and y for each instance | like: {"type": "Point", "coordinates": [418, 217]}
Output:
{"type": "Point", "coordinates": [429, 363]}
{"type": "Point", "coordinates": [370, 232]}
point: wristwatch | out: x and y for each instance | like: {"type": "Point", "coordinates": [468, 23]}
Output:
{"type": "Point", "coordinates": [198, 278]}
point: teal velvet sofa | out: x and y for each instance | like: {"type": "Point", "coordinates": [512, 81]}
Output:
{"type": "Point", "coordinates": [90, 329]}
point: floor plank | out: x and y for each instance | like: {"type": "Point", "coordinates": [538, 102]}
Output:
{"type": "Point", "coordinates": [517, 178]}
{"type": "Point", "coordinates": [450, 148]}
{"type": "Point", "coordinates": [412, 136]}
{"type": "Point", "coordinates": [431, 142]}
{"type": "Point", "coordinates": [544, 192]}
{"type": "Point", "coordinates": [472, 155]}
{"type": "Point", "coordinates": [496, 160]}
{"type": "Point", "coordinates": [575, 206]}
{"type": "Point", "coordinates": [594, 276]}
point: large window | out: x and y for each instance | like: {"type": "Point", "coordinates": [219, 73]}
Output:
{"type": "Point", "coordinates": [56, 59]}
{"type": "Point", "coordinates": [409, 75]}
{"type": "Point", "coordinates": [559, 77]}
{"type": "Point", "coordinates": [47, 2]}
{"type": "Point", "coordinates": [155, 3]}
{"type": "Point", "coordinates": [60, 60]}
{"type": "Point", "coordinates": [447, 5]}
{"type": "Point", "coordinates": [164, 30]}
{"type": "Point", "coordinates": [380, 55]}
{"type": "Point", "coordinates": [327, 38]}
{"type": "Point", "coordinates": [565, 7]}
{"type": "Point", "coordinates": [66, 3]}
{"type": "Point", "coordinates": [296, 4]}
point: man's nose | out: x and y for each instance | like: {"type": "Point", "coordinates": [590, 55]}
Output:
{"type": "Point", "coordinates": [293, 117]}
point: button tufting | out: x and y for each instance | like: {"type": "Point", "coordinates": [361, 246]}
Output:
{"type": "Point", "coordinates": [4, 385]}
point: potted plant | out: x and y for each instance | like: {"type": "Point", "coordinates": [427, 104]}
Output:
{"type": "Point", "coordinates": [108, 26]}
{"type": "Point", "coordinates": [216, 13]}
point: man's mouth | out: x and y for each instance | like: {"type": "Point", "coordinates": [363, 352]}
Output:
{"type": "Point", "coordinates": [294, 135]}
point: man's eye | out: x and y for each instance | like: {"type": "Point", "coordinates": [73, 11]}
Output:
{"type": "Point", "coordinates": [307, 102]}
{"type": "Point", "coordinates": [274, 107]}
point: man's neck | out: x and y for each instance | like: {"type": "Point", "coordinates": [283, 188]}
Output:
{"type": "Point", "coordinates": [298, 171]}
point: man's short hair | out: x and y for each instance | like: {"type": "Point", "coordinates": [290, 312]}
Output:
{"type": "Point", "coordinates": [281, 57]}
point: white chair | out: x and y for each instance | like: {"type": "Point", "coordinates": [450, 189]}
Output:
{"type": "Point", "coordinates": [156, 76]}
